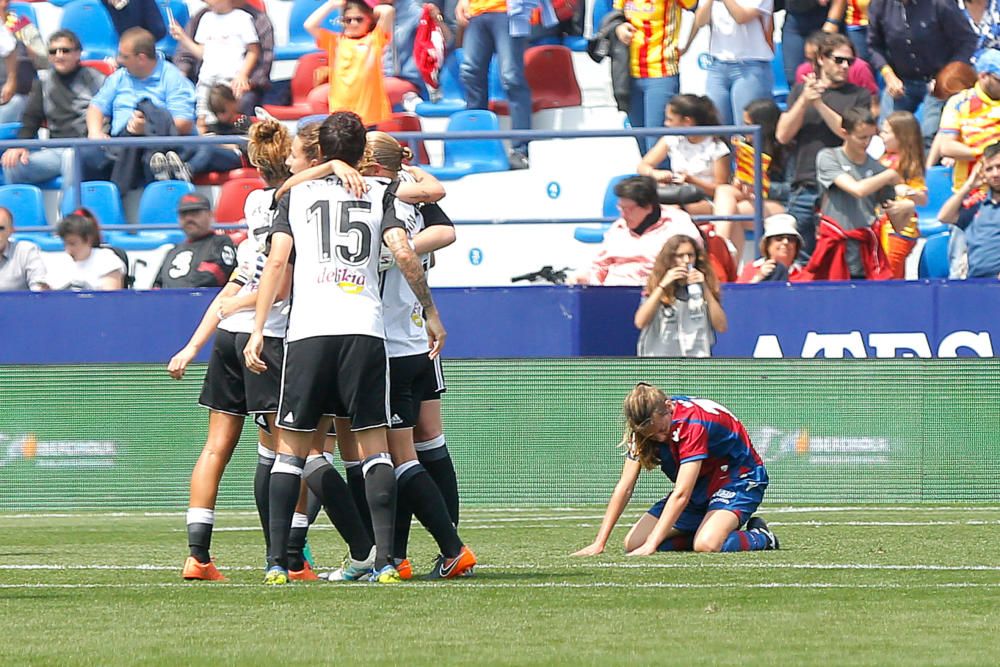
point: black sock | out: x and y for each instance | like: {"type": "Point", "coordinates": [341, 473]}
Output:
{"type": "Point", "coordinates": [356, 482]}
{"type": "Point", "coordinates": [313, 505]}
{"type": "Point", "coordinates": [261, 481]}
{"type": "Point", "coordinates": [327, 484]}
{"type": "Point", "coordinates": [380, 491]}
{"type": "Point", "coordinates": [424, 498]}
{"type": "Point", "coordinates": [297, 542]}
{"type": "Point", "coordinates": [283, 496]}
{"type": "Point", "coordinates": [401, 532]}
{"type": "Point", "coordinates": [199, 529]}
{"type": "Point", "coordinates": [437, 462]}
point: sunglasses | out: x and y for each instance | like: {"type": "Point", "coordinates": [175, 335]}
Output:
{"type": "Point", "coordinates": [843, 60]}
{"type": "Point", "coordinates": [784, 237]}
{"type": "Point", "coordinates": [59, 50]}
{"type": "Point", "coordinates": [3, 228]}
{"type": "Point", "coordinates": [353, 19]}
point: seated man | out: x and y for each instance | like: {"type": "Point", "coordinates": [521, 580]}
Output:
{"type": "Point", "coordinates": [979, 215]}
{"type": "Point", "coordinates": [634, 240]}
{"type": "Point", "coordinates": [205, 259]}
{"type": "Point", "coordinates": [146, 96]}
{"type": "Point", "coordinates": [855, 187]}
{"type": "Point", "coordinates": [58, 103]}
{"type": "Point", "coordinates": [21, 265]}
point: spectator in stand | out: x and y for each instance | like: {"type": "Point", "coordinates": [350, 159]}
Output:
{"type": "Point", "coordinates": [859, 73]}
{"type": "Point", "coordinates": [145, 14]}
{"type": "Point", "coordinates": [59, 103]}
{"type": "Point", "coordinates": [681, 309]}
{"type": "Point", "coordinates": [632, 243]}
{"type": "Point", "coordinates": [813, 122]}
{"type": "Point", "coordinates": [652, 31]}
{"type": "Point", "coordinates": [904, 152]}
{"type": "Point", "coordinates": [355, 72]}
{"type": "Point", "coordinates": [855, 188]}
{"type": "Point", "coordinates": [778, 249]}
{"type": "Point", "coordinates": [260, 75]}
{"type": "Point", "coordinates": [147, 81]}
{"type": "Point", "coordinates": [856, 24]}
{"type": "Point", "coordinates": [205, 259]}
{"type": "Point", "coordinates": [971, 119]}
{"type": "Point", "coordinates": [742, 48]}
{"type": "Point", "coordinates": [978, 213]}
{"type": "Point", "coordinates": [910, 42]}
{"type": "Point", "coordinates": [225, 109]}
{"type": "Point", "coordinates": [984, 17]}
{"type": "Point", "coordinates": [803, 18]}
{"type": "Point", "coordinates": [92, 267]}
{"type": "Point", "coordinates": [28, 55]}
{"type": "Point", "coordinates": [491, 26]}
{"type": "Point", "coordinates": [227, 44]}
{"type": "Point", "coordinates": [21, 265]}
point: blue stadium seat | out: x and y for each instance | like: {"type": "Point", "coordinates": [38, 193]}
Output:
{"type": "Point", "coordinates": [464, 157]}
{"type": "Point", "coordinates": [938, 191]}
{"type": "Point", "coordinates": [25, 203]}
{"type": "Point", "coordinates": [9, 130]}
{"type": "Point", "coordinates": [180, 11]}
{"type": "Point", "coordinates": [595, 234]}
{"type": "Point", "coordinates": [90, 21]}
{"type": "Point", "coordinates": [158, 206]}
{"type": "Point", "coordinates": [781, 84]}
{"type": "Point", "coordinates": [301, 42]}
{"type": "Point", "coordinates": [452, 92]}
{"type": "Point", "coordinates": [601, 8]}
{"type": "Point", "coordinates": [496, 91]}
{"type": "Point", "coordinates": [100, 198]}
{"type": "Point", "coordinates": [45, 242]}
{"type": "Point", "coordinates": [934, 257]}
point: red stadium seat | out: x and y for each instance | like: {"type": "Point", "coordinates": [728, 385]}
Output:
{"type": "Point", "coordinates": [233, 196]}
{"type": "Point", "coordinates": [319, 99]}
{"type": "Point", "coordinates": [396, 88]}
{"type": "Point", "coordinates": [550, 75]}
{"type": "Point", "coordinates": [302, 85]}
{"type": "Point", "coordinates": [404, 121]}
{"type": "Point", "coordinates": [220, 177]}
{"type": "Point", "coordinates": [103, 66]}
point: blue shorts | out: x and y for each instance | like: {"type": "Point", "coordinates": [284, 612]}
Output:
{"type": "Point", "coordinates": [741, 497]}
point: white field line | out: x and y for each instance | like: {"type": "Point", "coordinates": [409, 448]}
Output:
{"type": "Point", "coordinates": [576, 563]}
{"type": "Point", "coordinates": [472, 511]}
{"type": "Point", "coordinates": [523, 585]}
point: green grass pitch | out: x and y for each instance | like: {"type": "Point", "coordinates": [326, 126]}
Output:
{"type": "Point", "coordinates": [851, 586]}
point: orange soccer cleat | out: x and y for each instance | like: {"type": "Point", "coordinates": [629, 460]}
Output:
{"type": "Point", "coordinates": [195, 571]}
{"type": "Point", "coordinates": [305, 574]}
{"type": "Point", "coordinates": [449, 568]}
{"type": "Point", "coordinates": [405, 569]}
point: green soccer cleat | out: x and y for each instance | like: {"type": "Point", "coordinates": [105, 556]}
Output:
{"type": "Point", "coordinates": [276, 576]}
{"type": "Point", "coordinates": [387, 575]}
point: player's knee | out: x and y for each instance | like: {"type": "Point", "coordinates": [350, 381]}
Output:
{"type": "Point", "coordinates": [706, 545]}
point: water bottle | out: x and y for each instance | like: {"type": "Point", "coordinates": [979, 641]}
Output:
{"type": "Point", "coordinates": [695, 291]}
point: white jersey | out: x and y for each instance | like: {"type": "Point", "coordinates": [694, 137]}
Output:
{"type": "Point", "coordinates": [405, 330]}
{"type": "Point", "coordinates": [337, 240]}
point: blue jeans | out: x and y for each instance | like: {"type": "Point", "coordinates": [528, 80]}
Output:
{"type": "Point", "coordinates": [858, 34]}
{"type": "Point", "coordinates": [648, 104]}
{"type": "Point", "coordinates": [485, 35]}
{"type": "Point", "coordinates": [793, 38]}
{"type": "Point", "coordinates": [733, 85]}
{"type": "Point", "coordinates": [802, 205]}
{"type": "Point", "coordinates": [48, 163]}
{"type": "Point", "coordinates": [14, 109]}
{"type": "Point", "coordinates": [213, 158]}
{"type": "Point", "coordinates": [914, 94]}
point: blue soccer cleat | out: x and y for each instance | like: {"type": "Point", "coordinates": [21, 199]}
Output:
{"type": "Point", "coordinates": [758, 525]}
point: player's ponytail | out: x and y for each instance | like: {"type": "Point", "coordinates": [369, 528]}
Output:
{"type": "Point", "coordinates": [384, 150]}
{"type": "Point", "coordinates": [268, 149]}
{"type": "Point", "coordinates": [639, 407]}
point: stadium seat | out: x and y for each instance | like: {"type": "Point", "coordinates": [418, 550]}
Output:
{"type": "Point", "coordinates": [45, 242]}
{"type": "Point", "coordinates": [934, 257]}
{"type": "Point", "coordinates": [595, 234]}
{"type": "Point", "coordinates": [497, 94]}
{"type": "Point", "coordinates": [601, 8]}
{"type": "Point", "coordinates": [318, 99]}
{"type": "Point", "coordinates": [90, 21]}
{"type": "Point", "coordinates": [180, 11]}
{"type": "Point", "coordinates": [100, 198]}
{"type": "Point", "coordinates": [103, 66]}
{"type": "Point", "coordinates": [25, 204]}
{"type": "Point", "coordinates": [302, 85]}
{"type": "Point", "coordinates": [471, 156]}
{"type": "Point", "coordinates": [9, 130]}
{"type": "Point", "coordinates": [220, 177]}
{"type": "Point", "coordinates": [550, 75]}
{"type": "Point", "coordinates": [158, 206]}
{"type": "Point", "coordinates": [938, 180]}
{"type": "Point", "coordinates": [452, 93]}
{"type": "Point", "coordinates": [407, 122]}
{"type": "Point", "coordinates": [26, 10]}
{"type": "Point", "coordinates": [58, 3]}
{"type": "Point", "coordinates": [233, 197]}
{"type": "Point", "coordinates": [781, 84]}
{"type": "Point", "coordinates": [301, 42]}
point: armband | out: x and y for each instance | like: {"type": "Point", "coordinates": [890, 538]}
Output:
{"type": "Point", "coordinates": [837, 22]}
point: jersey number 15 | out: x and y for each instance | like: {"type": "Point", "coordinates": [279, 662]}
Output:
{"type": "Point", "coordinates": [354, 236]}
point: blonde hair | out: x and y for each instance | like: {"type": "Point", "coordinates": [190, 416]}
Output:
{"type": "Point", "coordinates": [268, 149]}
{"type": "Point", "coordinates": [639, 406]}
{"type": "Point", "coordinates": [382, 149]}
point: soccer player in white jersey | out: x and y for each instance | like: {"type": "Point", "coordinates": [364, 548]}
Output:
{"type": "Point", "coordinates": [335, 359]}
{"type": "Point", "coordinates": [230, 391]}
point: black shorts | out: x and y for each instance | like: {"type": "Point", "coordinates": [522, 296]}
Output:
{"type": "Point", "coordinates": [339, 376]}
{"type": "Point", "coordinates": [231, 387]}
{"type": "Point", "coordinates": [434, 386]}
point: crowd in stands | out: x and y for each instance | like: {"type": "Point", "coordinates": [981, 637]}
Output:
{"type": "Point", "coordinates": [921, 75]}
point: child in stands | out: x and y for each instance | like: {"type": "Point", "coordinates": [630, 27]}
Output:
{"type": "Point", "coordinates": [904, 152]}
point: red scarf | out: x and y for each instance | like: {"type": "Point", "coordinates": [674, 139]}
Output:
{"type": "Point", "coordinates": [829, 262]}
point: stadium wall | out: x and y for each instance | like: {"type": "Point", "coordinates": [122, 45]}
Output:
{"type": "Point", "coordinates": [533, 431]}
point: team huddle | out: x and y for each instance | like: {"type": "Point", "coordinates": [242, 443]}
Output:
{"type": "Point", "coordinates": [328, 335]}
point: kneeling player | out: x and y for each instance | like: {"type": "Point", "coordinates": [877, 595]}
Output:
{"type": "Point", "coordinates": [719, 479]}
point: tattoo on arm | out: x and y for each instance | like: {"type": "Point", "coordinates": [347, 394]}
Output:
{"type": "Point", "coordinates": [409, 264]}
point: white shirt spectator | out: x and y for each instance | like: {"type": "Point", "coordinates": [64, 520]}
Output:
{"type": "Point", "coordinates": [225, 38]}
{"type": "Point", "coordinates": [732, 41]}
{"type": "Point", "coordinates": [21, 267]}
{"type": "Point", "coordinates": [86, 274]}
{"type": "Point", "coordinates": [7, 42]}
{"type": "Point", "coordinates": [695, 158]}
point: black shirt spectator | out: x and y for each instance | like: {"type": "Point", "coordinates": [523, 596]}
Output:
{"type": "Point", "coordinates": [205, 259]}
{"type": "Point", "coordinates": [919, 37]}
